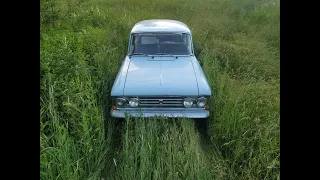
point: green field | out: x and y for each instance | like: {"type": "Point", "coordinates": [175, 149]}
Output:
{"type": "Point", "coordinates": [82, 45]}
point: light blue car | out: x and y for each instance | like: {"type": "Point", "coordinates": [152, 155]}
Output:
{"type": "Point", "coordinates": [160, 76]}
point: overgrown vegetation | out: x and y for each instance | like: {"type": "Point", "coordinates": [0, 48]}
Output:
{"type": "Point", "coordinates": [82, 45]}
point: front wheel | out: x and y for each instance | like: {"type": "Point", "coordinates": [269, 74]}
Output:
{"type": "Point", "coordinates": [202, 125]}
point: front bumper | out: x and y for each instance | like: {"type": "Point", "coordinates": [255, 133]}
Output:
{"type": "Point", "coordinates": [168, 112]}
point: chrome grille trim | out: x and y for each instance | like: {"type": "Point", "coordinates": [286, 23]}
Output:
{"type": "Point", "coordinates": [156, 99]}
{"type": "Point", "coordinates": [161, 102]}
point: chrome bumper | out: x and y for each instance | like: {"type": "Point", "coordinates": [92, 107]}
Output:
{"type": "Point", "coordinates": [168, 112]}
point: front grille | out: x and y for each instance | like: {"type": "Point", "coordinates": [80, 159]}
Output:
{"type": "Point", "coordinates": [161, 102]}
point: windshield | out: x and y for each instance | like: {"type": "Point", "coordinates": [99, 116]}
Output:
{"type": "Point", "coordinates": [161, 44]}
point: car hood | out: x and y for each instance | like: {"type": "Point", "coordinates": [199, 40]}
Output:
{"type": "Point", "coordinates": [147, 76]}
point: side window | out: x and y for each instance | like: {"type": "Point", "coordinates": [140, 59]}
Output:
{"type": "Point", "coordinates": [187, 40]}
{"type": "Point", "coordinates": [184, 38]}
{"type": "Point", "coordinates": [133, 42]}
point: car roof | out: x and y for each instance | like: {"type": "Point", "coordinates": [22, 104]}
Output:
{"type": "Point", "coordinates": [160, 25]}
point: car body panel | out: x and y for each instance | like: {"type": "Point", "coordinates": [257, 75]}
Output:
{"type": "Point", "coordinates": [118, 85]}
{"type": "Point", "coordinates": [152, 76]}
{"type": "Point", "coordinates": [160, 25]}
{"type": "Point", "coordinates": [169, 112]}
{"type": "Point", "coordinates": [203, 85]}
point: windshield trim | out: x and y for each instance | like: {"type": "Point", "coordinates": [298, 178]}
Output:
{"type": "Point", "coordinates": [129, 53]}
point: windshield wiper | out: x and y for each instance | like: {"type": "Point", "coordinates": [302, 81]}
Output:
{"type": "Point", "coordinates": [138, 54]}
{"type": "Point", "coordinates": [162, 54]}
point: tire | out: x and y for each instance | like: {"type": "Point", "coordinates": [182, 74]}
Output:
{"type": "Point", "coordinates": [202, 125]}
{"type": "Point", "coordinates": [118, 121]}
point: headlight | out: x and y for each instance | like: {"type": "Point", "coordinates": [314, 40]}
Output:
{"type": "Point", "coordinates": [188, 102]}
{"type": "Point", "coordinates": [201, 102]}
{"type": "Point", "coordinates": [120, 102]}
{"type": "Point", "coordinates": [134, 102]}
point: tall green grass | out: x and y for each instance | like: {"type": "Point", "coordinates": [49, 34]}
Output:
{"type": "Point", "coordinates": [82, 44]}
{"type": "Point", "coordinates": [160, 148]}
